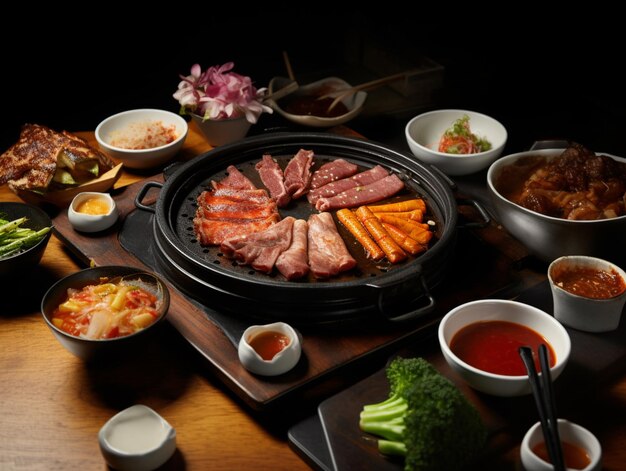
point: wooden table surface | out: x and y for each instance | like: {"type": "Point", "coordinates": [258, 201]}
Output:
{"type": "Point", "coordinates": [52, 404]}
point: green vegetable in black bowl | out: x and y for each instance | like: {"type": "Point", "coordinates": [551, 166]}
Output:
{"type": "Point", "coordinates": [24, 234]}
{"type": "Point", "coordinates": [426, 419]}
{"type": "Point", "coordinates": [15, 239]}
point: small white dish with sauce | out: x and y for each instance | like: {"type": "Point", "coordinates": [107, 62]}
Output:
{"type": "Point", "coordinates": [92, 212]}
{"type": "Point", "coordinates": [137, 439]}
{"type": "Point", "coordinates": [570, 433]}
{"type": "Point", "coordinates": [270, 349]}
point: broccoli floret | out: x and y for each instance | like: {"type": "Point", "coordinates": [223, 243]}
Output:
{"type": "Point", "coordinates": [386, 419]}
{"type": "Point", "coordinates": [426, 419]}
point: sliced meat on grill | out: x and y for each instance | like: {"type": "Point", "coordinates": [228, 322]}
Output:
{"type": "Point", "coordinates": [333, 171]}
{"type": "Point", "coordinates": [360, 179]}
{"type": "Point", "coordinates": [235, 207]}
{"type": "Point", "coordinates": [220, 196]}
{"type": "Point", "coordinates": [237, 211]}
{"type": "Point", "coordinates": [235, 204]}
{"type": "Point", "coordinates": [272, 177]}
{"type": "Point", "coordinates": [360, 195]}
{"type": "Point", "coordinates": [293, 263]}
{"type": "Point", "coordinates": [328, 254]}
{"type": "Point", "coordinates": [215, 231]}
{"type": "Point", "coordinates": [235, 180]}
{"type": "Point", "coordinates": [261, 249]}
{"type": "Point", "coordinates": [228, 194]}
{"type": "Point", "coordinates": [298, 173]}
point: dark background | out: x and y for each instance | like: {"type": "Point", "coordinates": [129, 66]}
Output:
{"type": "Point", "coordinates": [541, 75]}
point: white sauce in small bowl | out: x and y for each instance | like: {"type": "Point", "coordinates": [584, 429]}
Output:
{"type": "Point", "coordinates": [136, 433]}
{"type": "Point", "coordinates": [137, 439]}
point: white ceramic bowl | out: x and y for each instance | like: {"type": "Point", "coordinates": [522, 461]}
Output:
{"type": "Point", "coordinates": [137, 439]}
{"type": "Point", "coordinates": [282, 362]}
{"type": "Point", "coordinates": [424, 132]}
{"type": "Point", "coordinates": [354, 102]}
{"type": "Point", "coordinates": [503, 310]}
{"type": "Point", "coordinates": [568, 432]}
{"type": "Point", "coordinates": [92, 222]}
{"type": "Point", "coordinates": [141, 158]}
{"type": "Point", "coordinates": [583, 313]}
{"type": "Point", "coordinates": [219, 132]}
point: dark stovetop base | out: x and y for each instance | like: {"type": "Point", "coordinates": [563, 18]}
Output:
{"type": "Point", "coordinates": [140, 222]}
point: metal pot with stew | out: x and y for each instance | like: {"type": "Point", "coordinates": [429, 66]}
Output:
{"type": "Point", "coordinates": [562, 201]}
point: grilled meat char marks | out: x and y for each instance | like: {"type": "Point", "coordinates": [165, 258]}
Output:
{"type": "Point", "coordinates": [228, 194]}
{"type": "Point", "coordinates": [214, 232]}
{"type": "Point", "coordinates": [238, 212]}
{"type": "Point", "coordinates": [31, 163]}
{"type": "Point", "coordinates": [235, 207]}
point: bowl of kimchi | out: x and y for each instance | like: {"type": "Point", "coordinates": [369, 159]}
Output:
{"type": "Point", "coordinates": [97, 312]}
{"type": "Point", "coordinates": [457, 142]}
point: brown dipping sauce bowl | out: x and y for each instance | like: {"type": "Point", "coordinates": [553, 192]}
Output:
{"type": "Point", "coordinates": [596, 302]}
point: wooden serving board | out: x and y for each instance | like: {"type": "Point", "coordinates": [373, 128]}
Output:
{"type": "Point", "coordinates": [594, 360]}
{"type": "Point", "coordinates": [327, 351]}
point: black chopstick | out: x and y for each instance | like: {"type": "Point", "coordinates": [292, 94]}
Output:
{"type": "Point", "coordinates": [544, 399]}
{"type": "Point", "coordinates": [548, 395]}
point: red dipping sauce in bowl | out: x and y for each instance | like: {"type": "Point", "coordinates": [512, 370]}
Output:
{"type": "Point", "coordinates": [268, 343]}
{"type": "Point", "coordinates": [588, 293]}
{"type": "Point", "coordinates": [483, 336]}
{"type": "Point", "coordinates": [493, 346]}
{"type": "Point", "coordinates": [589, 282]}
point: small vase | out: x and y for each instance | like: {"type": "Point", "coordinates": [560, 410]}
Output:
{"type": "Point", "coordinates": [222, 131]}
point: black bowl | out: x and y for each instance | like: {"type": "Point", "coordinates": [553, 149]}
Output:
{"type": "Point", "coordinates": [36, 219]}
{"type": "Point", "coordinates": [92, 349]}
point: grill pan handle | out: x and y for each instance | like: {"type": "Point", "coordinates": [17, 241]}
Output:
{"type": "Point", "coordinates": [141, 194]}
{"type": "Point", "coordinates": [387, 293]}
{"type": "Point", "coordinates": [484, 214]}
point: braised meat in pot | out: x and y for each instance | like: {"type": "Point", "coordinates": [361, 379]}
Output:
{"type": "Point", "coordinates": [576, 185]}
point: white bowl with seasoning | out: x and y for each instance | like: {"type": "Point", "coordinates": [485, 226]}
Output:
{"type": "Point", "coordinates": [142, 138]}
{"type": "Point", "coordinates": [424, 133]}
{"type": "Point", "coordinates": [92, 211]}
{"type": "Point", "coordinates": [270, 349]}
{"type": "Point", "coordinates": [137, 439]}
{"type": "Point", "coordinates": [581, 448]}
